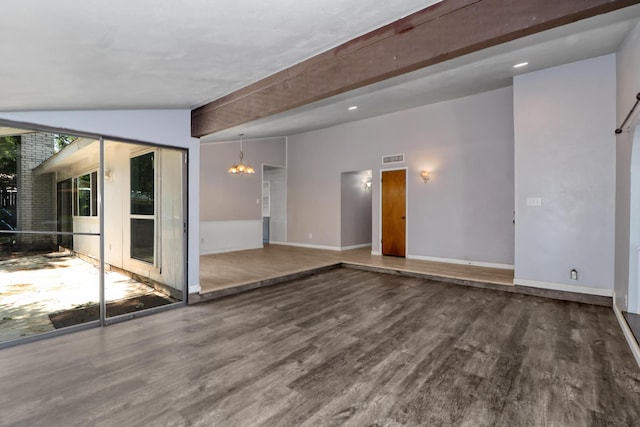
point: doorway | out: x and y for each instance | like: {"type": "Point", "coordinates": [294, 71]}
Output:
{"type": "Point", "coordinates": [631, 306]}
{"type": "Point", "coordinates": [355, 209]}
{"type": "Point", "coordinates": [274, 204]}
{"type": "Point", "coordinates": [266, 211]}
{"type": "Point", "coordinates": [633, 294]}
{"type": "Point", "coordinates": [394, 212]}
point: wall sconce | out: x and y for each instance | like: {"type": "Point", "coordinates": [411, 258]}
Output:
{"type": "Point", "coordinates": [425, 176]}
{"type": "Point", "coordinates": [367, 185]}
{"type": "Point", "coordinates": [108, 175]}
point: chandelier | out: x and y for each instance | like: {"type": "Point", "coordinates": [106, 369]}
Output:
{"type": "Point", "coordinates": [241, 167]}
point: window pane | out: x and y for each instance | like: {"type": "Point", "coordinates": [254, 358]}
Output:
{"type": "Point", "coordinates": [47, 281]}
{"type": "Point", "coordinates": [84, 195]}
{"type": "Point", "coordinates": [9, 148]}
{"type": "Point", "coordinates": [142, 231]}
{"type": "Point", "coordinates": [65, 212]}
{"type": "Point", "coordinates": [142, 185]}
{"type": "Point", "coordinates": [94, 194]}
{"type": "Point", "coordinates": [75, 197]}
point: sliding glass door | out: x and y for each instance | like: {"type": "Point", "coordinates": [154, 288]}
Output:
{"type": "Point", "coordinates": [47, 281]}
{"type": "Point", "coordinates": [144, 227]}
{"type": "Point", "coordinates": [91, 231]}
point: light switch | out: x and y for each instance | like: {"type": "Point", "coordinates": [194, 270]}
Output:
{"type": "Point", "coordinates": [534, 201]}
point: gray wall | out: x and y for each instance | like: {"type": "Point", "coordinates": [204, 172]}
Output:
{"type": "Point", "coordinates": [565, 153]}
{"type": "Point", "coordinates": [628, 85]}
{"type": "Point", "coordinates": [464, 212]}
{"type": "Point", "coordinates": [278, 220]}
{"type": "Point", "coordinates": [226, 197]}
{"type": "Point", "coordinates": [355, 209]}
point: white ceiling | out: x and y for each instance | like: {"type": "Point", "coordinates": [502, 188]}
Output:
{"type": "Point", "coordinates": [135, 54]}
{"type": "Point", "coordinates": [159, 54]}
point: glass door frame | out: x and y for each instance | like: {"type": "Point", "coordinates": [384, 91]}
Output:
{"type": "Point", "coordinates": [103, 319]}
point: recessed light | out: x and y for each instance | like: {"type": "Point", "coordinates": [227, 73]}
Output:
{"type": "Point", "coordinates": [353, 107]}
{"type": "Point", "coordinates": [520, 65]}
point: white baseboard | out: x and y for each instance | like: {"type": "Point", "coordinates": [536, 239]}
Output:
{"type": "Point", "coordinates": [229, 249]}
{"type": "Point", "coordinates": [306, 245]}
{"type": "Point", "coordinates": [377, 253]}
{"type": "Point", "coordinates": [564, 287]}
{"type": "Point", "coordinates": [229, 236]}
{"type": "Point", "coordinates": [633, 344]}
{"type": "Point", "coordinates": [348, 248]}
{"type": "Point", "coordinates": [462, 262]}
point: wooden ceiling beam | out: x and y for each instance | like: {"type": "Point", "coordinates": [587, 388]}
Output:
{"type": "Point", "coordinates": [433, 35]}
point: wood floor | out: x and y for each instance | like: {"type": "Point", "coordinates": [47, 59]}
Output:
{"type": "Point", "coordinates": [345, 347]}
{"type": "Point", "coordinates": [238, 269]}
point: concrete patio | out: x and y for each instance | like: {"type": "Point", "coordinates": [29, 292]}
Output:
{"type": "Point", "coordinates": [33, 287]}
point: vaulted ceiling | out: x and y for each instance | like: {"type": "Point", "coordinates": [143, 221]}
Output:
{"type": "Point", "coordinates": [135, 54]}
{"type": "Point", "coordinates": [162, 54]}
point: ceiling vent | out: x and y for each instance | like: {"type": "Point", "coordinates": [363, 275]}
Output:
{"type": "Point", "coordinates": [394, 158]}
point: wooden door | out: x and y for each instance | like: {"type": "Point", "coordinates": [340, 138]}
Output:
{"type": "Point", "coordinates": [394, 211]}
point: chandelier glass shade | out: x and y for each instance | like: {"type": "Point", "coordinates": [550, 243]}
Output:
{"type": "Point", "coordinates": [241, 167]}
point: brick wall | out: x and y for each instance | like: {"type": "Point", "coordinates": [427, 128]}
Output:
{"type": "Point", "coordinates": [36, 207]}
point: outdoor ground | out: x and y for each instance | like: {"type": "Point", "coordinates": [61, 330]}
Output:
{"type": "Point", "coordinates": [33, 287]}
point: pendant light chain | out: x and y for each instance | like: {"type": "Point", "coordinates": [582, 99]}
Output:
{"type": "Point", "coordinates": [241, 168]}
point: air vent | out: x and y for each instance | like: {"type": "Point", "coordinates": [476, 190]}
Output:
{"type": "Point", "coordinates": [394, 158]}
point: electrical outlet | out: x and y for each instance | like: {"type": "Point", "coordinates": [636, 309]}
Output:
{"type": "Point", "coordinates": [534, 201]}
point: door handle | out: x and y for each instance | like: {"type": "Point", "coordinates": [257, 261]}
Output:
{"type": "Point", "coordinates": [404, 217]}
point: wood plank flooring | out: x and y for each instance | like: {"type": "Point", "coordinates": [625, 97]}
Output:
{"type": "Point", "coordinates": [345, 347]}
{"type": "Point", "coordinates": [229, 269]}
{"type": "Point", "coordinates": [496, 276]}
{"type": "Point", "coordinates": [236, 269]}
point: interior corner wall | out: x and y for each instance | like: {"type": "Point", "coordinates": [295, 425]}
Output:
{"type": "Point", "coordinates": [628, 85]}
{"type": "Point", "coordinates": [465, 212]}
{"type": "Point", "coordinates": [163, 127]}
{"type": "Point", "coordinates": [356, 209]}
{"type": "Point", "coordinates": [565, 155]}
{"type": "Point", "coordinates": [230, 205]}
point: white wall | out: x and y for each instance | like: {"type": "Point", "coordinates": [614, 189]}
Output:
{"type": "Point", "coordinates": [230, 236]}
{"type": "Point", "coordinates": [565, 154]}
{"type": "Point", "coordinates": [355, 209]}
{"type": "Point", "coordinates": [117, 201]}
{"type": "Point", "coordinates": [165, 127]}
{"type": "Point", "coordinates": [465, 212]}
{"type": "Point", "coordinates": [626, 262]}
{"type": "Point", "coordinates": [87, 245]}
{"type": "Point", "coordinates": [234, 201]}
